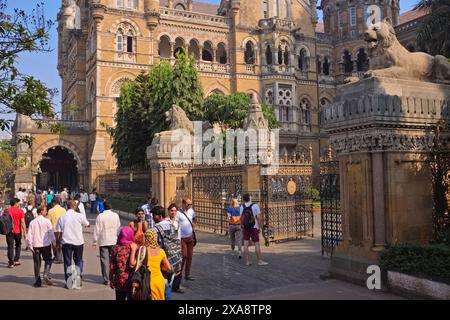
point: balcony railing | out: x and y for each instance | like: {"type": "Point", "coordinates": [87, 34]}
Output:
{"type": "Point", "coordinates": [195, 17]}
{"type": "Point", "coordinates": [278, 69]}
{"type": "Point", "coordinates": [276, 23]}
{"type": "Point", "coordinates": [205, 66]}
{"type": "Point", "coordinates": [250, 68]}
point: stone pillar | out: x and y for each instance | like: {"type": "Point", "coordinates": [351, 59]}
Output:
{"type": "Point", "coordinates": [383, 139]}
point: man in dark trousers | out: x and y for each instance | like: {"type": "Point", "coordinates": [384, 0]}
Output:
{"type": "Point", "coordinates": [14, 238]}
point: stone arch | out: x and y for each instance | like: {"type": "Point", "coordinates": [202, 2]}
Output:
{"type": "Point", "coordinates": [194, 48]}
{"type": "Point", "coordinates": [114, 79]}
{"type": "Point", "coordinates": [252, 40]}
{"type": "Point", "coordinates": [280, 39]}
{"type": "Point", "coordinates": [217, 87]}
{"type": "Point", "coordinates": [77, 153]}
{"type": "Point", "coordinates": [164, 34]}
{"type": "Point", "coordinates": [222, 53]}
{"type": "Point", "coordinates": [208, 51]}
{"type": "Point", "coordinates": [164, 46]}
{"type": "Point", "coordinates": [300, 47]}
{"type": "Point", "coordinates": [123, 21]}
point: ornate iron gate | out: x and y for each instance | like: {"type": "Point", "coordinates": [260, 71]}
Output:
{"type": "Point", "coordinates": [330, 205]}
{"type": "Point", "coordinates": [213, 190]}
{"type": "Point", "coordinates": [287, 207]}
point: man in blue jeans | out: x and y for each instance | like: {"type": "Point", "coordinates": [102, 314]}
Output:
{"type": "Point", "coordinates": [93, 200]}
{"type": "Point", "coordinates": [70, 228]}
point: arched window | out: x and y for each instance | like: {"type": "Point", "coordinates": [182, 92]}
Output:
{"type": "Point", "coordinates": [319, 66]}
{"type": "Point", "coordinates": [194, 49]}
{"type": "Point", "coordinates": [269, 58]}
{"type": "Point", "coordinates": [249, 55]}
{"type": "Point", "coordinates": [164, 47]}
{"type": "Point", "coordinates": [326, 67]}
{"type": "Point", "coordinates": [119, 40]}
{"type": "Point", "coordinates": [303, 60]}
{"type": "Point", "coordinates": [221, 54]}
{"type": "Point", "coordinates": [348, 63]}
{"type": "Point", "coordinates": [207, 52]}
{"type": "Point", "coordinates": [179, 46]}
{"type": "Point", "coordinates": [180, 6]}
{"type": "Point", "coordinates": [362, 62]}
{"type": "Point", "coordinates": [305, 106]}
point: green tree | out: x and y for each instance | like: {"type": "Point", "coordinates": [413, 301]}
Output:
{"type": "Point", "coordinates": [21, 32]}
{"type": "Point", "coordinates": [144, 102]}
{"type": "Point", "coordinates": [433, 34]}
{"type": "Point", "coordinates": [186, 87]}
{"type": "Point", "coordinates": [230, 111]}
{"type": "Point", "coordinates": [6, 163]}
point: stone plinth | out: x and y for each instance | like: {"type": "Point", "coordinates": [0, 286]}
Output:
{"type": "Point", "coordinates": [171, 157]}
{"type": "Point", "coordinates": [382, 132]}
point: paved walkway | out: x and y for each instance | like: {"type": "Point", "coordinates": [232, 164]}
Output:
{"type": "Point", "coordinates": [293, 273]}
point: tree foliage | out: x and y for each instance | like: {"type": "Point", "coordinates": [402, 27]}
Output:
{"type": "Point", "coordinates": [433, 34]}
{"type": "Point", "coordinates": [21, 93]}
{"type": "Point", "coordinates": [230, 111]}
{"type": "Point", "coordinates": [6, 163]}
{"type": "Point", "coordinates": [144, 102]}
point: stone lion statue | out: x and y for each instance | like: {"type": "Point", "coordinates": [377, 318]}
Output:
{"type": "Point", "coordinates": [178, 119]}
{"type": "Point", "coordinates": [388, 58]}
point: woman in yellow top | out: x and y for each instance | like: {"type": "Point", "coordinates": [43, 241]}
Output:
{"type": "Point", "coordinates": [157, 260]}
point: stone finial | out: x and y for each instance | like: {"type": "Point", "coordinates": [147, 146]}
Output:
{"type": "Point", "coordinates": [255, 118]}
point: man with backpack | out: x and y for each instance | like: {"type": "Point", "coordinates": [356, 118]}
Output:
{"type": "Point", "coordinates": [169, 242]}
{"type": "Point", "coordinates": [251, 221]}
{"type": "Point", "coordinates": [14, 237]}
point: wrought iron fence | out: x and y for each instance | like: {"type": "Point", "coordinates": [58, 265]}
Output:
{"type": "Point", "coordinates": [213, 190]}
{"type": "Point", "coordinates": [330, 205]}
{"type": "Point", "coordinates": [287, 207]}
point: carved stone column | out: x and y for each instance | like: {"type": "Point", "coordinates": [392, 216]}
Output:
{"type": "Point", "coordinates": [382, 132]}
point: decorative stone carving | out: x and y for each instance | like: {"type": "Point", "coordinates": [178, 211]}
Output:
{"type": "Point", "coordinates": [388, 58]}
{"type": "Point", "coordinates": [384, 141]}
{"type": "Point", "coordinates": [178, 119]}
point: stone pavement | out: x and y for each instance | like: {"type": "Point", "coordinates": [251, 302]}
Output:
{"type": "Point", "coordinates": [293, 273]}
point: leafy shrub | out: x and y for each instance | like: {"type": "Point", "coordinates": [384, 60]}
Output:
{"type": "Point", "coordinates": [432, 260]}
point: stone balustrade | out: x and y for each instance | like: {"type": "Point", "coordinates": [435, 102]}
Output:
{"type": "Point", "coordinates": [205, 66]}
{"type": "Point", "coordinates": [195, 17]}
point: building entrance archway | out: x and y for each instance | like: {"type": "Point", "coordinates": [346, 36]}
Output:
{"type": "Point", "coordinates": [58, 169]}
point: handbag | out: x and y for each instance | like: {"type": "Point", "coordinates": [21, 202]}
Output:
{"type": "Point", "coordinates": [193, 231]}
{"type": "Point", "coordinates": [140, 279]}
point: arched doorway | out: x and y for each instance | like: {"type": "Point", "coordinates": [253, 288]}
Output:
{"type": "Point", "coordinates": [58, 169]}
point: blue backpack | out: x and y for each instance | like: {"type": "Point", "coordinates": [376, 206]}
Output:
{"type": "Point", "coordinates": [6, 223]}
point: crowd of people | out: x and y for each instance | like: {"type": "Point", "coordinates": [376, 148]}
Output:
{"type": "Point", "coordinates": [145, 259]}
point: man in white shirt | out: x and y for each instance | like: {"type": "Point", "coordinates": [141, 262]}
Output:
{"type": "Point", "coordinates": [70, 225]}
{"type": "Point", "coordinates": [107, 227]}
{"type": "Point", "coordinates": [81, 208]}
{"type": "Point", "coordinates": [40, 239]}
{"type": "Point", "coordinates": [186, 220]}
{"type": "Point", "coordinates": [84, 198]}
{"type": "Point", "coordinates": [64, 196]}
{"type": "Point", "coordinates": [251, 232]}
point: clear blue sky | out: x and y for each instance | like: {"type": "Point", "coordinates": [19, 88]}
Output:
{"type": "Point", "coordinates": [43, 65]}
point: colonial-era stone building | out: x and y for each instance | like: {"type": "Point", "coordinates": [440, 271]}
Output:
{"type": "Point", "coordinates": [273, 49]}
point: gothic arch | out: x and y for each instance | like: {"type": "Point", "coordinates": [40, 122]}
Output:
{"type": "Point", "coordinates": [114, 79]}
{"type": "Point", "coordinates": [217, 87]}
{"type": "Point", "coordinates": [39, 151]}
{"type": "Point", "coordinates": [252, 40]}
{"type": "Point", "coordinates": [300, 47]}
{"type": "Point", "coordinates": [284, 38]}
{"type": "Point", "coordinates": [116, 25]}
{"type": "Point", "coordinates": [161, 35]}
